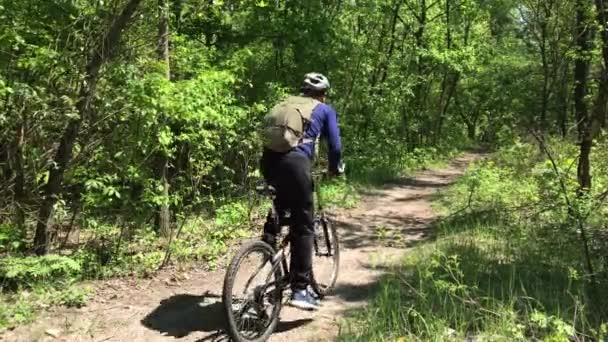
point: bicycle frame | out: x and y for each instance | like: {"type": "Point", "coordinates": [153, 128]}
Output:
{"type": "Point", "coordinates": [274, 272]}
{"type": "Point", "coordinates": [280, 255]}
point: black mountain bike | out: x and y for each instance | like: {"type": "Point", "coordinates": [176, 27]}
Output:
{"type": "Point", "coordinates": [253, 301]}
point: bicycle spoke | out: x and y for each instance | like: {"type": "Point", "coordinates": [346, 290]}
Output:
{"type": "Point", "coordinates": [255, 273]}
{"type": "Point", "coordinates": [255, 295]}
{"type": "Point", "coordinates": [239, 316]}
{"type": "Point", "coordinates": [252, 322]}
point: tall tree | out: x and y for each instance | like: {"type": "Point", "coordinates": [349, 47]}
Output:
{"type": "Point", "coordinates": [164, 214]}
{"type": "Point", "coordinates": [589, 124]}
{"type": "Point", "coordinates": [581, 74]}
{"type": "Point", "coordinates": [601, 101]}
{"type": "Point", "coordinates": [104, 51]}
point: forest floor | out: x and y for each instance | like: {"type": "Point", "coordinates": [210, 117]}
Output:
{"type": "Point", "coordinates": [186, 305]}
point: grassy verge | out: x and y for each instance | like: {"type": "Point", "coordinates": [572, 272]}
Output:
{"type": "Point", "coordinates": [507, 263]}
{"type": "Point", "coordinates": [475, 287]}
{"type": "Point", "coordinates": [21, 307]}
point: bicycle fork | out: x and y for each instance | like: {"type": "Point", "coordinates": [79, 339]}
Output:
{"type": "Point", "coordinates": [323, 223]}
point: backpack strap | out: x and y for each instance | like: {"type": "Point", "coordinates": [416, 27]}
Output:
{"type": "Point", "coordinates": [305, 106]}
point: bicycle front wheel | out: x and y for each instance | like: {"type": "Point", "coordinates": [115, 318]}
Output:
{"type": "Point", "coordinates": [326, 257]}
{"type": "Point", "coordinates": [252, 294]}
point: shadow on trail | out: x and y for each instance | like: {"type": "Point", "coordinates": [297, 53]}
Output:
{"type": "Point", "coordinates": [357, 292]}
{"type": "Point", "coordinates": [183, 314]}
{"type": "Point", "coordinates": [394, 229]}
{"type": "Point", "coordinates": [416, 184]}
{"type": "Point", "coordinates": [420, 184]}
{"type": "Point", "coordinates": [378, 230]}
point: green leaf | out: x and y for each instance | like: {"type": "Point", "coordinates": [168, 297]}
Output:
{"type": "Point", "coordinates": [165, 138]}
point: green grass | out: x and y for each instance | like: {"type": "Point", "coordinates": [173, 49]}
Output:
{"type": "Point", "coordinates": [503, 266]}
{"type": "Point", "coordinates": [339, 193]}
{"type": "Point", "coordinates": [23, 306]}
{"type": "Point", "coordinates": [31, 284]}
{"type": "Point", "coordinates": [473, 285]}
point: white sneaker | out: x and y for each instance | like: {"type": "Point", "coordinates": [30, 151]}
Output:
{"type": "Point", "coordinates": [304, 300]}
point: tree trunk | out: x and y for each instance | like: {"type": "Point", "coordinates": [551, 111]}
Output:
{"type": "Point", "coordinates": [419, 100]}
{"type": "Point", "coordinates": [542, 125]}
{"type": "Point", "coordinates": [601, 101]}
{"type": "Point", "coordinates": [592, 124]}
{"type": "Point", "coordinates": [564, 101]}
{"type": "Point", "coordinates": [391, 48]}
{"type": "Point", "coordinates": [19, 190]}
{"type": "Point", "coordinates": [178, 6]}
{"type": "Point", "coordinates": [584, 165]}
{"type": "Point", "coordinates": [374, 76]}
{"type": "Point", "coordinates": [448, 89]}
{"type": "Point", "coordinates": [104, 51]}
{"type": "Point", "coordinates": [546, 91]}
{"type": "Point", "coordinates": [164, 215]}
{"type": "Point", "coordinates": [451, 78]}
{"type": "Point", "coordinates": [445, 84]}
{"type": "Point", "coordinates": [581, 71]}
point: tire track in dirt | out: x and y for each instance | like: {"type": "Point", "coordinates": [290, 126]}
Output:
{"type": "Point", "coordinates": [189, 309]}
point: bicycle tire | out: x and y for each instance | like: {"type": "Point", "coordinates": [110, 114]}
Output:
{"type": "Point", "coordinates": [227, 298]}
{"type": "Point", "coordinates": [329, 231]}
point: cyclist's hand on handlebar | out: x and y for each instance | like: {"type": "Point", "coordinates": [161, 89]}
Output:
{"type": "Point", "coordinates": [339, 171]}
{"type": "Point", "coordinates": [341, 168]}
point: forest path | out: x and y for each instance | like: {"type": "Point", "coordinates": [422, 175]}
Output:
{"type": "Point", "coordinates": [189, 308]}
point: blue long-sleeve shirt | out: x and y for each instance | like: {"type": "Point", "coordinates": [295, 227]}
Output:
{"type": "Point", "coordinates": [324, 123]}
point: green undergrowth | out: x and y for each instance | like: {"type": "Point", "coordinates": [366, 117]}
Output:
{"type": "Point", "coordinates": [339, 193]}
{"type": "Point", "coordinates": [30, 284]}
{"type": "Point", "coordinates": [507, 262]}
{"type": "Point", "coordinates": [22, 307]}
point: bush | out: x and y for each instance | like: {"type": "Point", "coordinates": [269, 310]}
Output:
{"type": "Point", "coordinates": [32, 270]}
{"type": "Point", "coordinates": [10, 239]}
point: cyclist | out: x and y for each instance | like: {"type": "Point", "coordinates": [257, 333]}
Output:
{"type": "Point", "coordinates": [290, 172]}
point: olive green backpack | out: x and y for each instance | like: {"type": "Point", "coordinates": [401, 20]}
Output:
{"type": "Point", "coordinates": [285, 124]}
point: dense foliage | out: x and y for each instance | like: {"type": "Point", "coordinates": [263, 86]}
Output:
{"type": "Point", "coordinates": [128, 127]}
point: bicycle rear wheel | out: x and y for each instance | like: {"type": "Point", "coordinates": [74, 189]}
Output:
{"type": "Point", "coordinates": [252, 294]}
{"type": "Point", "coordinates": [326, 257]}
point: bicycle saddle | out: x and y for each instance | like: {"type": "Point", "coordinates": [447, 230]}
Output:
{"type": "Point", "coordinates": [266, 189]}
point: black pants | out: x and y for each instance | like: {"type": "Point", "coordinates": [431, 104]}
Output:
{"type": "Point", "coordinates": [290, 174]}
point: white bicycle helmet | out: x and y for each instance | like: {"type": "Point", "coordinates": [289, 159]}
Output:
{"type": "Point", "coordinates": [315, 81]}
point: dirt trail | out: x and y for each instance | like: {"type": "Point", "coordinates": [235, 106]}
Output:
{"type": "Point", "coordinates": [189, 309]}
